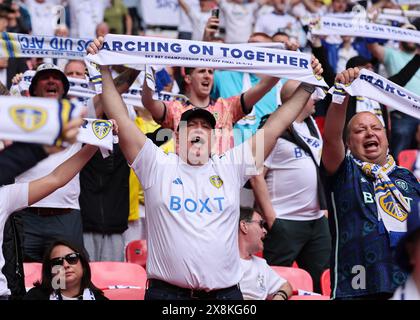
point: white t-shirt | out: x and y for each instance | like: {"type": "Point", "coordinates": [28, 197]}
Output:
{"type": "Point", "coordinates": [184, 24]}
{"type": "Point", "coordinates": [292, 181]}
{"type": "Point", "coordinates": [43, 16]}
{"type": "Point", "coordinates": [85, 15]}
{"type": "Point", "coordinates": [198, 21]}
{"type": "Point", "coordinates": [12, 198]}
{"type": "Point", "coordinates": [239, 20]}
{"type": "Point", "coordinates": [272, 23]}
{"type": "Point", "coordinates": [259, 281]}
{"type": "Point", "coordinates": [66, 197]}
{"type": "Point", "coordinates": [408, 291]}
{"type": "Point", "coordinates": [192, 216]}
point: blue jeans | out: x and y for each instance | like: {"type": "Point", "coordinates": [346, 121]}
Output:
{"type": "Point", "coordinates": [403, 133]}
{"type": "Point", "coordinates": [166, 291]}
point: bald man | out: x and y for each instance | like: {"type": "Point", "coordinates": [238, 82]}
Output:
{"type": "Point", "coordinates": [371, 200]}
{"type": "Point", "coordinates": [290, 196]}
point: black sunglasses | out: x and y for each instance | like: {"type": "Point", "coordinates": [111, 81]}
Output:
{"type": "Point", "coordinates": [260, 222]}
{"type": "Point", "coordinates": [71, 258]}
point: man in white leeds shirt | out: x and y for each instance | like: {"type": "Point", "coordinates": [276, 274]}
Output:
{"type": "Point", "coordinates": [192, 199]}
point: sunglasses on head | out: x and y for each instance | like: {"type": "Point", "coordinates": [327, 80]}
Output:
{"type": "Point", "coordinates": [71, 258]}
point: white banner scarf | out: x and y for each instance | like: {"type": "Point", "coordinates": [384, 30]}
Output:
{"type": "Point", "coordinates": [82, 90]}
{"type": "Point", "coordinates": [331, 26]}
{"type": "Point", "coordinates": [371, 85]}
{"type": "Point", "coordinates": [393, 208]}
{"type": "Point", "coordinates": [35, 120]}
{"type": "Point", "coordinates": [23, 45]}
{"type": "Point", "coordinates": [96, 132]}
{"type": "Point", "coordinates": [135, 50]}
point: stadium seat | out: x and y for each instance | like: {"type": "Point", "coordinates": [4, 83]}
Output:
{"type": "Point", "coordinates": [32, 272]}
{"type": "Point", "coordinates": [407, 158]}
{"type": "Point", "coordinates": [298, 278]}
{"type": "Point", "coordinates": [326, 283]}
{"type": "Point", "coordinates": [136, 252]}
{"type": "Point", "coordinates": [122, 278]}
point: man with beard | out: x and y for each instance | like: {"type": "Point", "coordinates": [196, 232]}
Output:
{"type": "Point", "coordinates": [403, 126]}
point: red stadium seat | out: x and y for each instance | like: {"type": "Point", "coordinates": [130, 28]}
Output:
{"type": "Point", "coordinates": [32, 272]}
{"type": "Point", "coordinates": [120, 276]}
{"type": "Point", "coordinates": [136, 252]}
{"type": "Point", "coordinates": [407, 158]}
{"type": "Point", "coordinates": [326, 283]}
{"type": "Point", "coordinates": [298, 278]}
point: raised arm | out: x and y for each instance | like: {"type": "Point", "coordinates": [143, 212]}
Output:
{"type": "Point", "coordinates": [254, 94]}
{"type": "Point", "coordinates": [377, 50]}
{"type": "Point", "coordinates": [41, 188]}
{"type": "Point", "coordinates": [156, 108]}
{"type": "Point", "coordinates": [131, 139]}
{"type": "Point", "coordinates": [333, 151]}
{"type": "Point", "coordinates": [262, 197]}
{"type": "Point", "coordinates": [264, 140]}
{"type": "Point", "coordinates": [122, 83]}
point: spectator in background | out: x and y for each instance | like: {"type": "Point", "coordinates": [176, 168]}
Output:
{"type": "Point", "coordinates": [66, 275]}
{"type": "Point", "coordinates": [198, 16]}
{"type": "Point", "coordinates": [291, 196]}
{"type": "Point", "coordinates": [75, 69]}
{"type": "Point", "coordinates": [118, 18]}
{"type": "Point", "coordinates": [303, 8]}
{"type": "Point", "coordinates": [403, 126]}
{"type": "Point", "coordinates": [85, 15]}
{"type": "Point", "coordinates": [19, 19]}
{"type": "Point", "coordinates": [259, 281]}
{"type": "Point", "coordinates": [134, 9]}
{"type": "Point", "coordinates": [239, 17]}
{"type": "Point", "coordinates": [280, 20]}
{"type": "Point", "coordinates": [185, 26]}
{"type": "Point", "coordinates": [345, 52]}
{"type": "Point", "coordinates": [44, 16]}
{"type": "Point", "coordinates": [9, 67]}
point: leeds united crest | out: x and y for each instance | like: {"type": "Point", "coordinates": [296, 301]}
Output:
{"type": "Point", "coordinates": [28, 118]}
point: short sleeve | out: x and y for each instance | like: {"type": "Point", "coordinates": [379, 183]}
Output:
{"type": "Point", "coordinates": [274, 281]}
{"type": "Point", "coordinates": [388, 56]}
{"type": "Point", "coordinates": [12, 198]}
{"type": "Point", "coordinates": [147, 163]}
{"type": "Point", "coordinates": [168, 120]}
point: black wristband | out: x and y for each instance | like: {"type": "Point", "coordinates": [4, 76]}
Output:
{"type": "Point", "coordinates": [283, 294]}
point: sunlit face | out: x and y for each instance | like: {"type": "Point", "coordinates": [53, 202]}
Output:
{"type": "Point", "coordinates": [75, 69]}
{"type": "Point", "coordinates": [49, 85]}
{"type": "Point", "coordinates": [200, 81]}
{"type": "Point", "coordinates": [73, 272]}
{"type": "Point", "coordinates": [256, 233]}
{"type": "Point", "coordinates": [195, 141]}
{"type": "Point", "coordinates": [367, 139]}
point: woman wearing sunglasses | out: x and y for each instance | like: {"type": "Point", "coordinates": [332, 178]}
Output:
{"type": "Point", "coordinates": [66, 275]}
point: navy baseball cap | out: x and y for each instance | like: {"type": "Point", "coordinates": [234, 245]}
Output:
{"type": "Point", "coordinates": [199, 113]}
{"type": "Point", "coordinates": [413, 226]}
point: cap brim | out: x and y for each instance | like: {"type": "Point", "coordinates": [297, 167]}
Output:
{"type": "Point", "coordinates": [63, 78]}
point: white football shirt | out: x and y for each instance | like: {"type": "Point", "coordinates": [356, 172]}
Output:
{"type": "Point", "coordinates": [292, 181]}
{"type": "Point", "coordinates": [192, 216]}
{"type": "Point", "coordinates": [259, 281]}
{"type": "Point", "coordinates": [12, 198]}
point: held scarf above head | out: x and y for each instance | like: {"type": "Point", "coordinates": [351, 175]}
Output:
{"type": "Point", "coordinates": [371, 85]}
{"type": "Point", "coordinates": [87, 295]}
{"type": "Point", "coordinates": [138, 50]}
{"type": "Point", "coordinates": [393, 208]}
